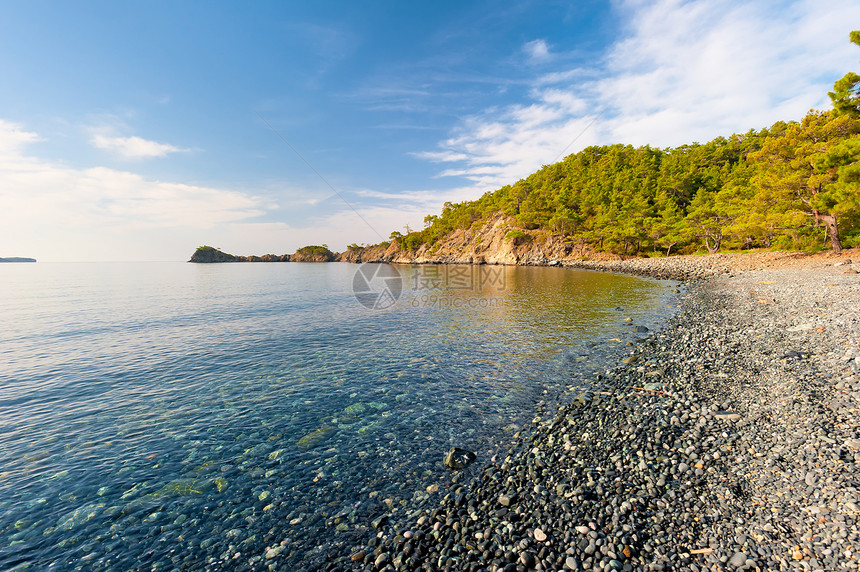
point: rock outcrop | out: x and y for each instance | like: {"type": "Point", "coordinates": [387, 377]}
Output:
{"type": "Point", "coordinates": [501, 241]}
{"type": "Point", "coordinates": [498, 241]}
{"type": "Point", "coordinates": [208, 254]}
{"type": "Point", "coordinates": [314, 254]}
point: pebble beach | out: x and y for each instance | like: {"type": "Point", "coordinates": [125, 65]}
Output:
{"type": "Point", "coordinates": [728, 440]}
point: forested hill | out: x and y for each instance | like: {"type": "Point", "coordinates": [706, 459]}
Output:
{"type": "Point", "coordinates": [790, 186]}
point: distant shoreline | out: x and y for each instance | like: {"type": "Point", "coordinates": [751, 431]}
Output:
{"type": "Point", "coordinates": [681, 267]}
{"type": "Point", "coordinates": [17, 259]}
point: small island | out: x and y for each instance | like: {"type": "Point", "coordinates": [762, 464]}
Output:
{"type": "Point", "coordinates": [209, 254]}
{"type": "Point", "coordinates": [17, 259]}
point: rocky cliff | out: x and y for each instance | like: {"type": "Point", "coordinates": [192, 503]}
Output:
{"type": "Point", "coordinates": [496, 242]}
{"type": "Point", "coordinates": [501, 242]}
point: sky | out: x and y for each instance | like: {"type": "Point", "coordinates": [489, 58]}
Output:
{"type": "Point", "coordinates": [141, 130]}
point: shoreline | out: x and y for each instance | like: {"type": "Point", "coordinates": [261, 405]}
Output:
{"type": "Point", "coordinates": [727, 442]}
{"type": "Point", "coordinates": [692, 267]}
{"type": "Point", "coordinates": [687, 267]}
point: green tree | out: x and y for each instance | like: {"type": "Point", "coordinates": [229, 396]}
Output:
{"type": "Point", "coordinates": [846, 91]}
{"type": "Point", "coordinates": [811, 168]}
{"type": "Point", "coordinates": [665, 228]}
{"type": "Point", "coordinates": [708, 218]}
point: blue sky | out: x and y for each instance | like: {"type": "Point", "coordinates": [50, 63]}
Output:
{"type": "Point", "coordinates": [140, 128]}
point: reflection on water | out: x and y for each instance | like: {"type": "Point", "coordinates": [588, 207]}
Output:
{"type": "Point", "coordinates": [176, 415]}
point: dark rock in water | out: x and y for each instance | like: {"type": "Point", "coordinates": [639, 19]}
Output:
{"type": "Point", "coordinates": [314, 438]}
{"type": "Point", "coordinates": [641, 329]}
{"type": "Point", "coordinates": [458, 458]}
{"type": "Point", "coordinates": [358, 556]}
{"type": "Point", "coordinates": [379, 521]}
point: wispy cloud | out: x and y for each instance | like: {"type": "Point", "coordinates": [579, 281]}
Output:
{"type": "Point", "coordinates": [45, 203]}
{"type": "Point", "coordinates": [502, 146]}
{"type": "Point", "coordinates": [55, 212]}
{"type": "Point", "coordinates": [694, 70]}
{"type": "Point", "coordinates": [13, 137]}
{"type": "Point", "coordinates": [682, 72]}
{"type": "Point", "coordinates": [134, 147]}
{"type": "Point", "coordinates": [537, 50]}
{"type": "Point", "coordinates": [423, 202]}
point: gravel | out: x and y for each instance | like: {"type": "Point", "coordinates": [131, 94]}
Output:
{"type": "Point", "coordinates": [731, 442]}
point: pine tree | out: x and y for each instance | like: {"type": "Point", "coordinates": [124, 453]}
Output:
{"type": "Point", "coordinates": [810, 168]}
{"type": "Point", "coordinates": [846, 91]}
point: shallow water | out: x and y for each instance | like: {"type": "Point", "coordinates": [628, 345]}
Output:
{"type": "Point", "coordinates": [164, 415]}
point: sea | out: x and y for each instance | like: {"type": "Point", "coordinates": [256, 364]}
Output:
{"type": "Point", "coordinates": [164, 416]}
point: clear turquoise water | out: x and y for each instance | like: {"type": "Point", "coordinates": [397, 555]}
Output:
{"type": "Point", "coordinates": [171, 415]}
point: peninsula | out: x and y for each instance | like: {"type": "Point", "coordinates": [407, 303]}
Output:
{"type": "Point", "coordinates": [209, 254]}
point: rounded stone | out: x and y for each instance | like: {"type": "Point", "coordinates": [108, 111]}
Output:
{"type": "Point", "coordinates": [738, 560]}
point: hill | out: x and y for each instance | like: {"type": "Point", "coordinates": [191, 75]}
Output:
{"type": "Point", "coordinates": [792, 186]}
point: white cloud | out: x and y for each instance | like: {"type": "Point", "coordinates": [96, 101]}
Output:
{"type": "Point", "coordinates": [694, 70]}
{"type": "Point", "coordinates": [63, 213]}
{"type": "Point", "coordinates": [414, 203]}
{"type": "Point", "coordinates": [537, 50]}
{"type": "Point", "coordinates": [54, 212]}
{"type": "Point", "coordinates": [500, 147]}
{"type": "Point", "coordinates": [682, 71]}
{"type": "Point", "coordinates": [134, 147]}
{"type": "Point", "coordinates": [13, 137]}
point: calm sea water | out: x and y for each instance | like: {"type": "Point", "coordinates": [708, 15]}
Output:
{"type": "Point", "coordinates": [171, 415]}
